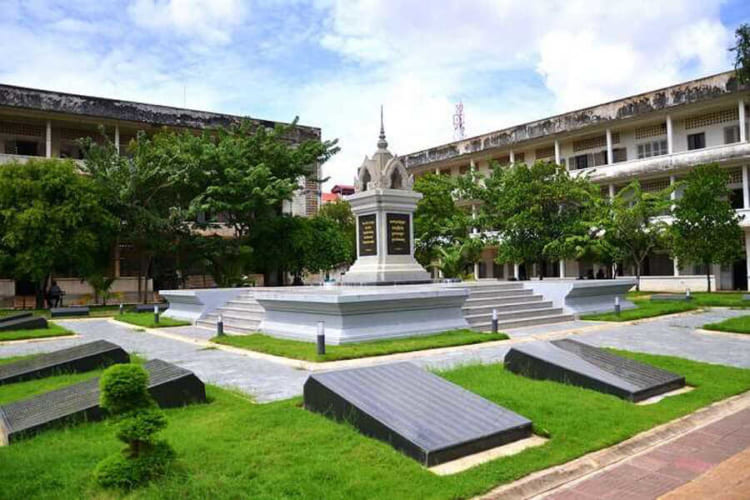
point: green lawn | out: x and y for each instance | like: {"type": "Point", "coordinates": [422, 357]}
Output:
{"type": "Point", "coordinates": [739, 324]}
{"type": "Point", "coordinates": [54, 330]}
{"type": "Point", "coordinates": [308, 351]}
{"type": "Point", "coordinates": [146, 320]}
{"type": "Point", "coordinates": [644, 309]}
{"type": "Point", "coordinates": [95, 311]}
{"type": "Point", "coordinates": [232, 448]}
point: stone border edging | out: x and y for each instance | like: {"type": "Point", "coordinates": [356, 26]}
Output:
{"type": "Point", "coordinates": [548, 480]}
{"type": "Point", "coordinates": [713, 333]}
{"type": "Point", "coordinates": [40, 339]}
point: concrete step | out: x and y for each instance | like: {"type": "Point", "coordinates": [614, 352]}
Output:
{"type": "Point", "coordinates": [241, 304]}
{"type": "Point", "coordinates": [237, 309]}
{"type": "Point", "coordinates": [480, 292]}
{"type": "Point", "coordinates": [233, 318]}
{"type": "Point", "coordinates": [513, 315]}
{"type": "Point", "coordinates": [492, 301]}
{"type": "Point", "coordinates": [525, 305]}
{"type": "Point", "coordinates": [241, 328]}
{"type": "Point", "coordinates": [495, 285]}
{"type": "Point", "coordinates": [519, 323]}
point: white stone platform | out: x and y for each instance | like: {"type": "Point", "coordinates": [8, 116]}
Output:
{"type": "Point", "coordinates": [584, 296]}
{"type": "Point", "coordinates": [191, 305]}
{"type": "Point", "coordinates": [356, 314]}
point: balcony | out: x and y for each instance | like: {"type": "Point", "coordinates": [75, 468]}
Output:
{"type": "Point", "coordinates": [9, 158]}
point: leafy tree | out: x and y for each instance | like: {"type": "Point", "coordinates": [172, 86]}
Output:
{"type": "Point", "coordinates": [534, 209]}
{"type": "Point", "coordinates": [50, 218]}
{"type": "Point", "coordinates": [331, 245]}
{"type": "Point", "coordinates": [706, 228]}
{"type": "Point", "coordinates": [340, 214]}
{"type": "Point", "coordinates": [125, 396]}
{"type": "Point", "coordinates": [631, 224]}
{"type": "Point", "coordinates": [742, 53]}
{"type": "Point", "coordinates": [454, 259]}
{"type": "Point", "coordinates": [438, 221]}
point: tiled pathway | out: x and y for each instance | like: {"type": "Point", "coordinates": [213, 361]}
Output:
{"type": "Point", "coordinates": [667, 467]}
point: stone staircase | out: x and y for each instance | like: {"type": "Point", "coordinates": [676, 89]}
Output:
{"type": "Point", "coordinates": [241, 315]}
{"type": "Point", "coordinates": [516, 306]}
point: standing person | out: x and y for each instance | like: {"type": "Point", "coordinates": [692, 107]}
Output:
{"type": "Point", "coordinates": [54, 295]}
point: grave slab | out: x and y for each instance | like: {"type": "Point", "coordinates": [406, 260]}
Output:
{"type": "Point", "coordinates": [572, 362]}
{"type": "Point", "coordinates": [27, 322]}
{"type": "Point", "coordinates": [10, 317]}
{"type": "Point", "coordinates": [80, 358]}
{"type": "Point", "coordinates": [141, 308]}
{"type": "Point", "coordinates": [61, 312]}
{"type": "Point", "coordinates": [418, 413]}
{"type": "Point", "coordinates": [170, 385]}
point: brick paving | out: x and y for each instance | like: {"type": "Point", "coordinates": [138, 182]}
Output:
{"type": "Point", "coordinates": [668, 467]}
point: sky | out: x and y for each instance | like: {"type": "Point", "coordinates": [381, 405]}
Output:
{"type": "Point", "coordinates": [334, 63]}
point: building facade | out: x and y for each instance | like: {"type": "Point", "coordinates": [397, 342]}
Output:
{"type": "Point", "coordinates": [655, 137]}
{"type": "Point", "coordinates": [46, 124]}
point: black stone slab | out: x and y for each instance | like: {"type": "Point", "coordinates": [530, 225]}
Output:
{"type": "Point", "coordinates": [141, 308]}
{"type": "Point", "coordinates": [418, 413]}
{"type": "Point", "coordinates": [80, 358]}
{"type": "Point", "coordinates": [10, 317]}
{"type": "Point", "coordinates": [170, 385]}
{"type": "Point", "coordinates": [671, 297]}
{"type": "Point", "coordinates": [60, 312]}
{"type": "Point", "coordinates": [576, 363]}
{"type": "Point", "coordinates": [23, 323]}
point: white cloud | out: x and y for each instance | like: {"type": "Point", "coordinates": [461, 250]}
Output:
{"type": "Point", "coordinates": [211, 20]}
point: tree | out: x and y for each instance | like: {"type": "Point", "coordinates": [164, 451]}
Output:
{"type": "Point", "coordinates": [438, 221]}
{"type": "Point", "coordinates": [332, 244]}
{"type": "Point", "coordinates": [742, 53]}
{"type": "Point", "coordinates": [631, 224]}
{"type": "Point", "coordinates": [706, 228]}
{"type": "Point", "coordinates": [51, 218]}
{"type": "Point", "coordinates": [534, 209]}
{"type": "Point", "coordinates": [340, 215]}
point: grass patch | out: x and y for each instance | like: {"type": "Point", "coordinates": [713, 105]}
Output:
{"type": "Point", "coordinates": [307, 351]}
{"type": "Point", "coordinates": [740, 324]}
{"type": "Point", "coordinates": [644, 308]}
{"type": "Point", "coordinates": [146, 320]}
{"type": "Point", "coordinates": [232, 448]}
{"type": "Point", "coordinates": [53, 330]}
{"type": "Point", "coordinates": [95, 311]}
{"type": "Point", "coordinates": [720, 299]}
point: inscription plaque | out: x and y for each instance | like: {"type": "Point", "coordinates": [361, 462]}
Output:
{"type": "Point", "coordinates": [399, 233]}
{"type": "Point", "coordinates": [368, 236]}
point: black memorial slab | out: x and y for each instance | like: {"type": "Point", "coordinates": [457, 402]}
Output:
{"type": "Point", "coordinates": [399, 234]}
{"type": "Point", "coordinates": [23, 321]}
{"type": "Point", "coordinates": [80, 358]}
{"type": "Point", "coordinates": [11, 317]}
{"type": "Point", "coordinates": [368, 235]}
{"type": "Point", "coordinates": [59, 312]}
{"type": "Point", "coordinates": [170, 385]}
{"type": "Point", "coordinates": [142, 308]}
{"type": "Point", "coordinates": [422, 415]}
{"type": "Point", "coordinates": [576, 363]}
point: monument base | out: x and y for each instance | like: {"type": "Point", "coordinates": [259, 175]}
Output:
{"type": "Point", "coordinates": [357, 314]}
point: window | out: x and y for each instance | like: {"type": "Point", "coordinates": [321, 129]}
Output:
{"type": "Point", "coordinates": [731, 134]}
{"type": "Point", "coordinates": [581, 161]}
{"type": "Point", "coordinates": [619, 154]}
{"type": "Point", "coordinates": [736, 199]}
{"type": "Point", "coordinates": [27, 148]}
{"type": "Point", "coordinates": [696, 141]}
{"type": "Point", "coordinates": [654, 148]}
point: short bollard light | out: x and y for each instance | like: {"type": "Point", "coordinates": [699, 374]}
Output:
{"type": "Point", "coordinates": [617, 306]}
{"type": "Point", "coordinates": [156, 314]}
{"type": "Point", "coordinates": [220, 325]}
{"type": "Point", "coordinates": [122, 308]}
{"type": "Point", "coordinates": [687, 294]}
{"type": "Point", "coordinates": [494, 321]}
{"type": "Point", "coordinates": [321, 338]}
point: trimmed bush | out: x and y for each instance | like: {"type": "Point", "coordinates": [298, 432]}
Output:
{"type": "Point", "coordinates": [124, 394]}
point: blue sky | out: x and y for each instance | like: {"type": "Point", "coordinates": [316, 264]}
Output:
{"type": "Point", "coordinates": [332, 63]}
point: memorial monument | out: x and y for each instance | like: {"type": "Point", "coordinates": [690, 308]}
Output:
{"type": "Point", "coordinates": [384, 205]}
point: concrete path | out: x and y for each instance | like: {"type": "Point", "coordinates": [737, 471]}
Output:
{"type": "Point", "coordinates": [268, 380]}
{"type": "Point", "coordinates": [697, 455]}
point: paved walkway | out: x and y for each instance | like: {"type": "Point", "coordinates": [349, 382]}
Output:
{"type": "Point", "coordinates": [671, 467]}
{"type": "Point", "coordinates": [267, 380]}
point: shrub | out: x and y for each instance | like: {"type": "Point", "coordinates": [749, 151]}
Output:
{"type": "Point", "coordinates": [124, 394]}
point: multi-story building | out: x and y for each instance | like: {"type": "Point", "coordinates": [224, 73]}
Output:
{"type": "Point", "coordinates": [656, 137]}
{"type": "Point", "coordinates": [46, 124]}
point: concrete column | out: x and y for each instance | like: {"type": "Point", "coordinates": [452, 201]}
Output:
{"type": "Point", "coordinates": [516, 274]}
{"type": "Point", "coordinates": [562, 268]}
{"type": "Point", "coordinates": [672, 195]}
{"type": "Point", "coordinates": [745, 188]}
{"type": "Point", "coordinates": [476, 270]}
{"type": "Point", "coordinates": [512, 157]}
{"type": "Point", "coordinates": [472, 165]}
{"type": "Point", "coordinates": [670, 142]}
{"type": "Point", "coordinates": [610, 160]}
{"type": "Point", "coordinates": [48, 140]}
{"type": "Point", "coordinates": [743, 130]}
{"type": "Point", "coordinates": [747, 258]}
{"type": "Point", "coordinates": [117, 138]}
{"type": "Point", "coordinates": [557, 152]}
{"type": "Point", "coordinates": [437, 171]}
{"type": "Point", "coordinates": [676, 265]}
{"type": "Point", "coordinates": [611, 191]}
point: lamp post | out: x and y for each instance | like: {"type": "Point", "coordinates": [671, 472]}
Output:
{"type": "Point", "coordinates": [156, 314]}
{"type": "Point", "coordinates": [321, 338]}
{"type": "Point", "coordinates": [617, 306]}
{"type": "Point", "coordinates": [494, 320]}
{"type": "Point", "coordinates": [220, 326]}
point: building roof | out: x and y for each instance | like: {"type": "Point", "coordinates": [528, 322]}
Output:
{"type": "Point", "coordinates": [694, 91]}
{"type": "Point", "coordinates": [342, 189]}
{"type": "Point", "coordinates": [138, 112]}
{"type": "Point", "coordinates": [329, 197]}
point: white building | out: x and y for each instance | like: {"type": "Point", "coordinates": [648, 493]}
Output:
{"type": "Point", "coordinates": [656, 137]}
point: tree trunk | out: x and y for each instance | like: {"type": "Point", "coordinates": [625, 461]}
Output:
{"type": "Point", "coordinates": [638, 277]}
{"type": "Point", "coordinates": [708, 278]}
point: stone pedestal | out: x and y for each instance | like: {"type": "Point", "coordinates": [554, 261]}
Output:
{"type": "Point", "coordinates": [385, 239]}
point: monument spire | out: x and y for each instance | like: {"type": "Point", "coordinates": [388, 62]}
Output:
{"type": "Point", "coordinates": [382, 143]}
